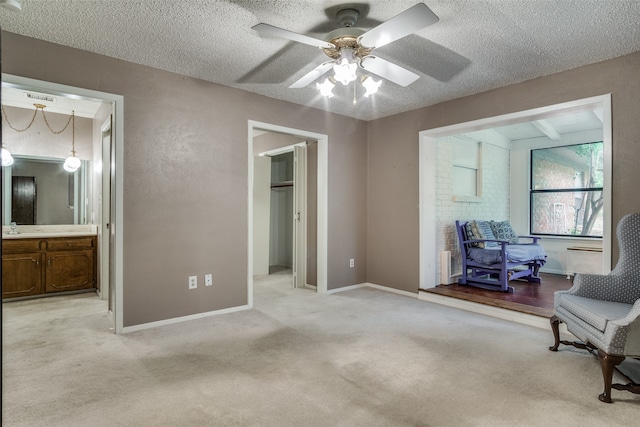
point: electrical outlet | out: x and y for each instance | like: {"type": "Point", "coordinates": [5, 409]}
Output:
{"type": "Point", "coordinates": [193, 282]}
{"type": "Point", "coordinates": [208, 280]}
{"type": "Point", "coordinates": [352, 263]}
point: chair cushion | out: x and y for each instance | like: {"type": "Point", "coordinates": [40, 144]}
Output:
{"type": "Point", "coordinates": [503, 231]}
{"type": "Point", "coordinates": [594, 312]}
{"type": "Point", "coordinates": [482, 230]}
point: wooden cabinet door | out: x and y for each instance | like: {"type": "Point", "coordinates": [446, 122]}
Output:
{"type": "Point", "coordinates": [22, 274]}
{"type": "Point", "coordinates": [69, 271]}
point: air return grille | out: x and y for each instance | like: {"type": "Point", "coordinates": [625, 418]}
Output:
{"type": "Point", "coordinates": [40, 97]}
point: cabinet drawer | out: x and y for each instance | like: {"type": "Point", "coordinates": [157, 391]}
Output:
{"type": "Point", "coordinates": [12, 246]}
{"type": "Point", "coordinates": [70, 244]}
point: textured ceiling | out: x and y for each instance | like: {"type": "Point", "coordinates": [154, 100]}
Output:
{"type": "Point", "coordinates": [476, 45]}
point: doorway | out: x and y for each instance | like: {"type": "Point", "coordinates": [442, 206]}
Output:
{"type": "Point", "coordinates": [260, 203]}
{"type": "Point", "coordinates": [114, 104]}
{"type": "Point", "coordinates": [430, 234]}
{"type": "Point", "coordinates": [284, 225]}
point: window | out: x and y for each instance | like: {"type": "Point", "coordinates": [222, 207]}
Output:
{"type": "Point", "coordinates": [566, 197]}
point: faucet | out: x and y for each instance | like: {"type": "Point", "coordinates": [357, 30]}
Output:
{"type": "Point", "coordinates": [14, 228]}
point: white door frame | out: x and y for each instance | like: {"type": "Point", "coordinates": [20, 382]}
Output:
{"type": "Point", "coordinates": [105, 173]}
{"type": "Point", "coordinates": [117, 130]}
{"type": "Point", "coordinates": [427, 170]}
{"type": "Point", "coordinates": [299, 216]}
{"type": "Point", "coordinates": [323, 156]}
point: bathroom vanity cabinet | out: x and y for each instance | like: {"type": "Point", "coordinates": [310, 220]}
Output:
{"type": "Point", "coordinates": [35, 266]}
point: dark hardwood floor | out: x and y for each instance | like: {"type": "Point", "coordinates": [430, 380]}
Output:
{"type": "Point", "coordinates": [530, 298]}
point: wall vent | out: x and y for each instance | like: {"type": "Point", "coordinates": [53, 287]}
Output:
{"type": "Point", "coordinates": [445, 268]}
{"type": "Point", "coordinates": [40, 97]}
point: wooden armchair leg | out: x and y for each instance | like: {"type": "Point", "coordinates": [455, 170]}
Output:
{"type": "Point", "coordinates": [555, 324]}
{"type": "Point", "coordinates": [607, 364]}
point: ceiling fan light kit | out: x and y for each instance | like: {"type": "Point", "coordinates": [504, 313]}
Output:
{"type": "Point", "coordinates": [349, 49]}
{"type": "Point", "coordinates": [345, 68]}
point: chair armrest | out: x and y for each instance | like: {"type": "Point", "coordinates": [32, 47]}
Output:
{"type": "Point", "coordinates": [627, 330]}
{"type": "Point", "coordinates": [602, 287]}
{"type": "Point", "coordinates": [632, 317]}
{"type": "Point", "coordinates": [535, 238]}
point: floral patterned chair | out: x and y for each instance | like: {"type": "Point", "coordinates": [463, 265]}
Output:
{"type": "Point", "coordinates": [603, 311]}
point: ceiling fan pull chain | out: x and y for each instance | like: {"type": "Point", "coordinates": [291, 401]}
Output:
{"type": "Point", "coordinates": [354, 92]}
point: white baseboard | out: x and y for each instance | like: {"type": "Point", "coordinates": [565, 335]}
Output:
{"type": "Point", "coordinates": [393, 290]}
{"type": "Point", "coordinates": [373, 285]}
{"type": "Point", "coordinates": [150, 325]}
{"type": "Point", "coordinates": [345, 288]}
{"type": "Point", "coordinates": [489, 310]}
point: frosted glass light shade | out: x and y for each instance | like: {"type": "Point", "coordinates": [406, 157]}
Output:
{"type": "Point", "coordinates": [326, 88]}
{"type": "Point", "coordinates": [7, 158]}
{"type": "Point", "coordinates": [371, 86]}
{"type": "Point", "coordinates": [71, 163]}
{"type": "Point", "coordinates": [345, 71]}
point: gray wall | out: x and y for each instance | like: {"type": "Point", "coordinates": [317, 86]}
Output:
{"type": "Point", "coordinates": [392, 230]}
{"type": "Point", "coordinates": [185, 177]}
{"type": "Point", "coordinates": [188, 216]}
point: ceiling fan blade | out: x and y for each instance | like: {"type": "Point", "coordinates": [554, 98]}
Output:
{"type": "Point", "coordinates": [270, 30]}
{"type": "Point", "coordinates": [411, 20]}
{"type": "Point", "coordinates": [388, 70]}
{"type": "Point", "coordinates": [312, 75]}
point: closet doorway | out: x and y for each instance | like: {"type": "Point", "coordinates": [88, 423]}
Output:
{"type": "Point", "coordinates": [287, 207]}
{"type": "Point", "coordinates": [283, 241]}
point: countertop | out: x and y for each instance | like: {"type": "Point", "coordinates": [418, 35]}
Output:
{"type": "Point", "coordinates": [43, 231]}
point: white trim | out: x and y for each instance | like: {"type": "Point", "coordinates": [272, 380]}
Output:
{"type": "Point", "coordinates": [322, 203]}
{"type": "Point", "coordinates": [346, 288]}
{"type": "Point", "coordinates": [282, 150]}
{"type": "Point", "coordinates": [103, 270]}
{"type": "Point", "coordinates": [373, 285]}
{"type": "Point", "coordinates": [427, 186]}
{"type": "Point", "coordinates": [118, 139]}
{"type": "Point", "coordinates": [174, 320]}
{"type": "Point", "coordinates": [393, 290]}
{"type": "Point", "coordinates": [489, 310]}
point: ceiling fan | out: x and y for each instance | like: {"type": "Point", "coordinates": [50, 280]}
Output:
{"type": "Point", "coordinates": [349, 48]}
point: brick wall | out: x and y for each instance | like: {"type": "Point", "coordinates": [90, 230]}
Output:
{"type": "Point", "coordinates": [493, 204]}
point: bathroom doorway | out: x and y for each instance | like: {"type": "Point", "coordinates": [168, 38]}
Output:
{"type": "Point", "coordinates": [107, 108]}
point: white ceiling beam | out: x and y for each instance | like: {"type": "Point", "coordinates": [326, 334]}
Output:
{"type": "Point", "coordinates": [544, 127]}
{"type": "Point", "coordinates": [598, 113]}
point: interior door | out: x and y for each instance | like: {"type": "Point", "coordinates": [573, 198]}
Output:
{"type": "Point", "coordinates": [23, 200]}
{"type": "Point", "coordinates": [299, 216]}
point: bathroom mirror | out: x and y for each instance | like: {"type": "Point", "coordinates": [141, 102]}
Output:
{"type": "Point", "coordinates": [38, 191]}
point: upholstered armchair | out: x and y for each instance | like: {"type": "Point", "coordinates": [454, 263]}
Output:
{"type": "Point", "coordinates": [603, 311]}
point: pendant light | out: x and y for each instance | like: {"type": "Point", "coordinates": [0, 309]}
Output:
{"type": "Point", "coordinates": [72, 163]}
{"type": "Point", "coordinates": [7, 158]}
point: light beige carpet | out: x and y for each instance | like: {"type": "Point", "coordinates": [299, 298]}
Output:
{"type": "Point", "coordinates": [363, 357]}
